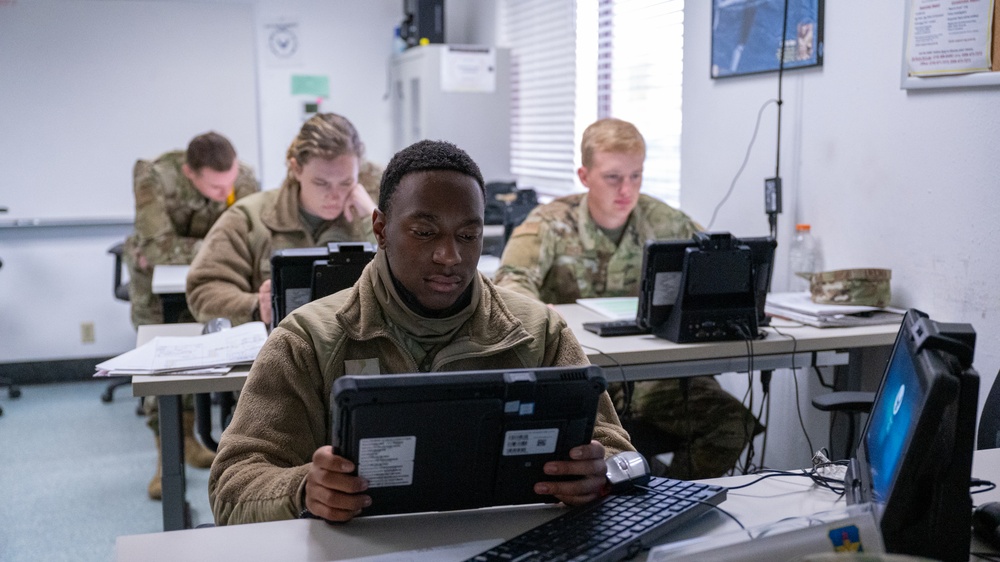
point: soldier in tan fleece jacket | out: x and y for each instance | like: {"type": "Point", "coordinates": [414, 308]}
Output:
{"type": "Point", "coordinates": [421, 305]}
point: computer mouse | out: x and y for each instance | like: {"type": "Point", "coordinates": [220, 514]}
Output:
{"type": "Point", "coordinates": [986, 523]}
{"type": "Point", "coordinates": [626, 470]}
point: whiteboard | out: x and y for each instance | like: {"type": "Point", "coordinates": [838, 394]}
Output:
{"type": "Point", "coordinates": [89, 86]}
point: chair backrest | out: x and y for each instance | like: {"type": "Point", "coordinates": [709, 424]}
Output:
{"type": "Point", "coordinates": [989, 420]}
{"type": "Point", "coordinates": [120, 289]}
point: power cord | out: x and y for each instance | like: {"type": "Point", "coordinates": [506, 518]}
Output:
{"type": "Point", "coordinates": [746, 158]}
{"type": "Point", "coordinates": [626, 410]}
{"type": "Point", "coordinates": [795, 379]}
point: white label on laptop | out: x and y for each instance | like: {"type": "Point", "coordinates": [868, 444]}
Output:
{"type": "Point", "coordinates": [530, 442]}
{"type": "Point", "coordinates": [387, 461]}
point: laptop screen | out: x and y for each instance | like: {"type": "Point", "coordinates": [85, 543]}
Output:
{"type": "Point", "coordinates": [914, 460]}
{"type": "Point", "coordinates": [461, 440]}
{"type": "Point", "coordinates": [892, 421]}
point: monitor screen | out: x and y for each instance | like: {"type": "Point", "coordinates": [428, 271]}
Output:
{"type": "Point", "coordinates": [892, 420]}
{"type": "Point", "coordinates": [915, 456]}
{"type": "Point", "coordinates": [301, 275]}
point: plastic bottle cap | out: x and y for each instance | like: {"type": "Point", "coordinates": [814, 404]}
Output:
{"type": "Point", "coordinates": [802, 227]}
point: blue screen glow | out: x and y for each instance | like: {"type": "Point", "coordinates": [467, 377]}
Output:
{"type": "Point", "coordinates": [892, 421]}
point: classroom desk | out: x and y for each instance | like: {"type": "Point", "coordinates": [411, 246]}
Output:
{"type": "Point", "coordinates": [641, 358]}
{"type": "Point", "coordinates": [309, 539]}
{"type": "Point", "coordinates": [170, 282]}
{"type": "Point", "coordinates": [647, 357]}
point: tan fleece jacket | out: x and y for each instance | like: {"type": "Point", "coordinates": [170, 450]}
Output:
{"type": "Point", "coordinates": [283, 412]}
{"type": "Point", "coordinates": [235, 257]}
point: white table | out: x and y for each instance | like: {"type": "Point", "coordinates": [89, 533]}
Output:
{"type": "Point", "coordinates": [649, 357]}
{"type": "Point", "coordinates": [309, 539]}
{"type": "Point", "coordinates": [641, 357]}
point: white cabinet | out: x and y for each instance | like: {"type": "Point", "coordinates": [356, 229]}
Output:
{"type": "Point", "coordinates": [457, 93]}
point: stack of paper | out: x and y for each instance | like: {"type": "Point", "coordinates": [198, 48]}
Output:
{"type": "Point", "coordinates": [799, 307]}
{"type": "Point", "coordinates": [616, 308]}
{"type": "Point", "coordinates": [213, 353]}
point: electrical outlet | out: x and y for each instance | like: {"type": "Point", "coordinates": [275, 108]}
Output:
{"type": "Point", "coordinates": [86, 332]}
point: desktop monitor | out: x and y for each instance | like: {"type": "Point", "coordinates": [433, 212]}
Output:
{"type": "Point", "coordinates": [301, 275]}
{"type": "Point", "coordinates": [710, 288]}
{"type": "Point", "coordinates": [914, 460]}
{"type": "Point", "coordinates": [461, 440]}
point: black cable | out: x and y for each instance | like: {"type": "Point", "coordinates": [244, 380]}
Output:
{"type": "Point", "coordinates": [986, 484]}
{"type": "Point", "coordinates": [746, 158]}
{"type": "Point", "coordinates": [795, 379]}
{"type": "Point", "coordinates": [835, 485]}
{"type": "Point", "coordinates": [744, 330]}
{"type": "Point", "coordinates": [772, 218]}
{"type": "Point", "coordinates": [986, 556]}
{"type": "Point", "coordinates": [626, 384]}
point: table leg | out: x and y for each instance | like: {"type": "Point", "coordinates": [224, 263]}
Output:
{"type": "Point", "coordinates": [172, 458]}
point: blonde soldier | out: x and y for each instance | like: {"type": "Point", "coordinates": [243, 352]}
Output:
{"type": "Point", "coordinates": [590, 245]}
{"type": "Point", "coordinates": [320, 201]}
{"type": "Point", "coordinates": [178, 198]}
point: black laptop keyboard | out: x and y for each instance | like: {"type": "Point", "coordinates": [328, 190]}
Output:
{"type": "Point", "coordinates": [614, 528]}
{"type": "Point", "coordinates": [612, 328]}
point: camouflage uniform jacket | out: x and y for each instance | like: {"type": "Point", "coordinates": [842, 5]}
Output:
{"type": "Point", "coordinates": [558, 254]}
{"type": "Point", "coordinates": [171, 219]}
{"type": "Point", "coordinates": [236, 256]}
{"type": "Point", "coordinates": [283, 413]}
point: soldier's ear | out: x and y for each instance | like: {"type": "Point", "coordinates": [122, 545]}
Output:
{"type": "Point", "coordinates": [188, 172]}
{"type": "Point", "coordinates": [294, 167]}
{"type": "Point", "coordinates": [378, 227]}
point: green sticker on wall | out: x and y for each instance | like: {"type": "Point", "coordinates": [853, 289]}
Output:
{"type": "Point", "coordinates": [304, 84]}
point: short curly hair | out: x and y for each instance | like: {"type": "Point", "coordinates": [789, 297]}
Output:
{"type": "Point", "coordinates": [425, 155]}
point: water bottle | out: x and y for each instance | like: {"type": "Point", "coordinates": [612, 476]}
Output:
{"type": "Point", "coordinates": [803, 257]}
{"type": "Point", "coordinates": [398, 43]}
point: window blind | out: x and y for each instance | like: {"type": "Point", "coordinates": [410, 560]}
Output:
{"type": "Point", "coordinates": [573, 61]}
{"type": "Point", "coordinates": [541, 35]}
{"type": "Point", "coordinates": [647, 45]}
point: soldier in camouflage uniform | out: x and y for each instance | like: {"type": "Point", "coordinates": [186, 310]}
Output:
{"type": "Point", "coordinates": [320, 201]}
{"type": "Point", "coordinates": [590, 245]}
{"type": "Point", "coordinates": [178, 198]}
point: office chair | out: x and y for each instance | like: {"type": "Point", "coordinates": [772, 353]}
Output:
{"type": "Point", "coordinates": [12, 389]}
{"type": "Point", "coordinates": [853, 403]}
{"type": "Point", "coordinates": [120, 290]}
{"type": "Point", "coordinates": [989, 419]}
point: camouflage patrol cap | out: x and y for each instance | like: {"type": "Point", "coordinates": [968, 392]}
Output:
{"type": "Point", "coordinates": [868, 287]}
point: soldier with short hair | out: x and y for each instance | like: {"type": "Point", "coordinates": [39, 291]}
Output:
{"type": "Point", "coordinates": [590, 245]}
{"type": "Point", "coordinates": [178, 198]}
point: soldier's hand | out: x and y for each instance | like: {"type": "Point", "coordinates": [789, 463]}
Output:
{"type": "Point", "coordinates": [331, 491]}
{"type": "Point", "coordinates": [264, 302]}
{"type": "Point", "coordinates": [359, 203]}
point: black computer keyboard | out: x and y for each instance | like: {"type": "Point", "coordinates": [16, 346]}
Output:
{"type": "Point", "coordinates": [613, 528]}
{"type": "Point", "coordinates": [615, 328]}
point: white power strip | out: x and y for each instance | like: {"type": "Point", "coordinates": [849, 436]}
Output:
{"type": "Point", "coordinates": [851, 529]}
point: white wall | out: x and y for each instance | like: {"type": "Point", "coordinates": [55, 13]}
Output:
{"type": "Point", "coordinates": [887, 177]}
{"type": "Point", "coordinates": [55, 278]}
